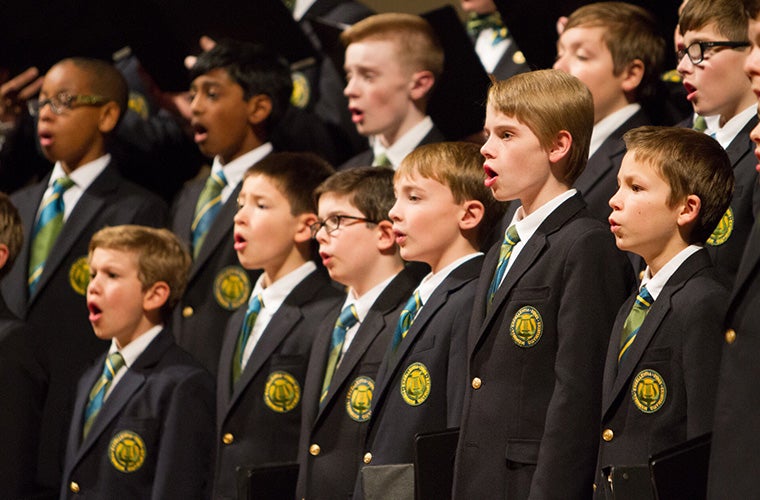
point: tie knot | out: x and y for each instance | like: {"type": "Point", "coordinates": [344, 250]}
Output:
{"type": "Point", "coordinates": [217, 179]}
{"type": "Point", "coordinates": [644, 298]}
{"type": "Point", "coordinates": [256, 303]}
{"type": "Point", "coordinates": [413, 304]}
{"type": "Point", "coordinates": [479, 22]}
{"type": "Point", "coordinates": [382, 160]}
{"type": "Point", "coordinates": [114, 362]}
{"type": "Point", "coordinates": [700, 124]}
{"type": "Point", "coordinates": [348, 317]}
{"type": "Point", "coordinates": [511, 237]}
{"type": "Point", "coordinates": [61, 184]}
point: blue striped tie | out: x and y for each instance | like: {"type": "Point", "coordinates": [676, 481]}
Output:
{"type": "Point", "coordinates": [511, 238]}
{"type": "Point", "coordinates": [113, 363]}
{"type": "Point", "coordinates": [245, 333]}
{"type": "Point", "coordinates": [348, 318]}
{"type": "Point", "coordinates": [406, 318]}
{"type": "Point", "coordinates": [634, 320]}
{"type": "Point", "coordinates": [208, 206]}
{"type": "Point", "coordinates": [46, 230]}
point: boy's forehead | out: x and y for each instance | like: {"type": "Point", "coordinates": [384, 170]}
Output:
{"type": "Point", "coordinates": [65, 76]}
{"type": "Point", "coordinates": [588, 34]}
{"type": "Point", "coordinates": [706, 33]}
{"type": "Point", "coordinates": [333, 202]}
{"type": "Point", "coordinates": [217, 76]}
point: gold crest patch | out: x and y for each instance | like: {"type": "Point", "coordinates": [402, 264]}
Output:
{"type": "Point", "coordinates": [648, 391]}
{"type": "Point", "coordinates": [301, 90]}
{"type": "Point", "coordinates": [232, 286]}
{"type": "Point", "coordinates": [282, 392]}
{"type": "Point", "coordinates": [518, 57]}
{"type": "Point", "coordinates": [127, 451]}
{"type": "Point", "coordinates": [79, 275]}
{"type": "Point", "coordinates": [527, 327]}
{"type": "Point", "coordinates": [138, 104]}
{"type": "Point", "coordinates": [415, 384]}
{"type": "Point", "coordinates": [723, 230]}
{"type": "Point", "coordinates": [359, 399]}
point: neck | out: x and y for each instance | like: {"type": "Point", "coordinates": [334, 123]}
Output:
{"type": "Point", "coordinates": [379, 271]}
{"type": "Point", "coordinates": [274, 271]}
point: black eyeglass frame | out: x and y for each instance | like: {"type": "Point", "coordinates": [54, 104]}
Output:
{"type": "Point", "coordinates": [331, 227]}
{"type": "Point", "coordinates": [698, 58]}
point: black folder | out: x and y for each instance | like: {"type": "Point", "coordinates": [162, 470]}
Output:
{"type": "Point", "coordinates": [680, 472]}
{"type": "Point", "coordinates": [267, 482]}
{"type": "Point", "coordinates": [434, 454]}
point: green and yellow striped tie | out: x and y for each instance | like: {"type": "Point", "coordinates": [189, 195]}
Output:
{"type": "Point", "coordinates": [634, 320]}
{"type": "Point", "coordinates": [208, 206]}
{"type": "Point", "coordinates": [113, 363]}
{"type": "Point", "coordinates": [348, 318]}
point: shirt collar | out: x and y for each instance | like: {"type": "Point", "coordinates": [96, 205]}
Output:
{"type": "Point", "coordinates": [655, 283]}
{"type": "Point", "coordinates": [274, 295]}
{"type": "Point", "coordinates": [85, 174]}
{"type": "Point", "coordinates": [235, 169]}
{"type": "Point", "coordinates": [134, 349]}
{"type": "Point", "coordinates": [526, 226]}
{"type": "Point", "coordinates": [405, 144]}
{"type": "Point", "coordinates": [430, 282]}
{"type": "Point", "coordinates": [725, 134]}
{"type": "Point", "coordinates": [609, 124]}
{"type": "Point", "coordinates": [364, 303]}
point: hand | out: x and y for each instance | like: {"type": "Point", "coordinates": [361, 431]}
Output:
{"type": "Point", "coordinates": [206, 43]}
{"type": "Point", "coordinates": [15, 92]}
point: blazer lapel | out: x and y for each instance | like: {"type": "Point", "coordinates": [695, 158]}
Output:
{"type": "Point", "coordinates": [224, 375]}
{"type": "Point", "coordinates": [87, 208]}
{"type": "Point", "coordinates": [742, 145]}
{"type": "Point", "coordinates": [660, 308]}
{"type": "Point", "coordinates": [749, 263]}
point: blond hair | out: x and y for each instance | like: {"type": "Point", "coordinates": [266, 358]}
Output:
{"type": "Point", "coordinates": [459, 167]}
{"type": "Point", "coordinates": [160, 256]}
{"type": "Point", "coordinates": [548, 102]}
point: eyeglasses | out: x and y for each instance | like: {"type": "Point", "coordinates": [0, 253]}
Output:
{"type": "Point", "coordinates": [333, 223]}
{"type": "Point", "coordinates": [63, 101]}
{"type": "Point", "coordinates": [696, 51]}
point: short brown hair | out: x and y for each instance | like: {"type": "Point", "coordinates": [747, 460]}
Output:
{"type": "Point", "coordinates": [458, 166]}
{"type": "Point", "coordinates": [369, 189]}
{"type": "Point", "coordinates": [691, 163]}
{"type": "Point", "coordinates": [729, 16]}
{"type": "Point", "coordinates": [549, 101]}
{"type": "Point", "coordinates": [296, 175]}
{"type": "Point", "coordinates": [630, 33]}
{"type": "Point", "coordinates": [11, 231]}
{"type": "Point", "coordinates": [416, 42]}
{"type": "Point", "coordinates": [160, 256]}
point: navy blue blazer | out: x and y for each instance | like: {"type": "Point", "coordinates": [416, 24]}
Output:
{"type": "Point", "coordinates": [598, 181]}
{"type": "Point", "coordinates": [57, 312]}
{"type": "Point", "coordinates": [676, 354]}
{"type": "Point", "coordinates": [536, 359]}
{"type": "Point", "coordinates": [332, 437]}
{"type": "Point", "coordinates": [420, 388]}
{"type": "Point", "coordinates": [217, 285]}
{"type": "Point", "coordinates": [259, 420]}
{"type": "Point", "coordinates": [734, 461]}
{"type": "Point", "coordinates": [154, 435]}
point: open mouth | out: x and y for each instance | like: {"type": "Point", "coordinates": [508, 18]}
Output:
{"type": "Point", "coordinates": [326, 258]}
{"type": "Point", "coordinates": [400, 237]}
{"type": "Point", "coordinates": [240, 242]}
{"type": "Point", "coordinates": [95, 312]}
{"type": "Point", "coordinates": [45, 137]}
{"type": "Point", "coordinates": [691, 90]}
{"type": "Point", "coordinates": [200, 133]}
{"type": "Point", "coordinates": [491, 176]}
{"type": "Point", "coordinates": [357, 115]}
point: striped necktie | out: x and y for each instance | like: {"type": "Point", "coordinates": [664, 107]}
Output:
{"type": "Point", "coordinates": [46, 230]}
{"type": "Point", "coordinates": [406, 318]}
{"type": "Point", "coordinates": [382, 160]}
{"type": "Point", "coordinates": [208, 206]}
{"type": "Point", "coordinates": [634, 320]}
{"type": "Point", "coordinates": [251, 314]}
{"type": "Point", "coordinates": [348, 318]}
{"type": "Point", "coordinates": [113, 363]}
{"type": "Point", "coordinates": [511, 238]}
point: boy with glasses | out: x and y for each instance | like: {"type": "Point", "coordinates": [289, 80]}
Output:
{"type": "Point", "coordinates": [80, 103]}
{"type": "Point", "coordinates": [711, 62]}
